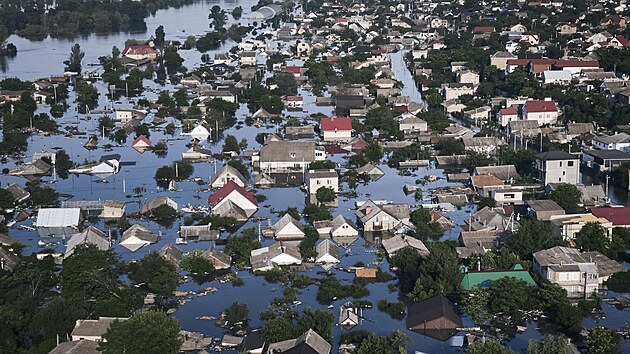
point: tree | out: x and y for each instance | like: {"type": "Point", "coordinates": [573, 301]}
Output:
{"type": "Point", "coordinates": [158, 274]}
{"type": "Point", "coordinates": [240, 167]}
{"type": "Point", "coordinates": [218, 17]}
{"type": "Point", "coordinates": [592, 237]}
{"type": "Point", "coordinates": [74, 62]}
{"type": "Point", "coordinates": [373, 152]}
{"type": "Point", "coordinates": [325, 195]}
{"type": "Point", "coordinates": [511, 297]}
{"type": "Point", "coordinates": [551, 344]}
{"type": "Point", "coordinates": [197, 265]}
{"type": "Point", "coordinates": [320, 321]}
{"type": "Point", "coordinates": [486, 202]}
{"type": "Point", "coordinates": [42, 196]}
{"type": "Point", "coordinates": [276, 330]}
{"type": "Point", "coordinates": [475, 303]}
{"type": "Point", "coordinates": [146, 332]}
{"type": "Point", "coordinates": [293, 211]}
{"type": "Point", "coordinates": [488, 347]}
{"type": "Point", "coordinates": [231, 144]}
{"type": "Point", "coordinates": [91, 277]}
{"type": "Point", "coordinates": [240, 247]}
{"type": "Point", "coordinates": [532, 236]}
{"type": "Point", "coordinates": [236, 313]}
{"type": "Point", "coordinates": [425, 228]}
{"type": "Point", "coordinates": [567, 196]}
{"type": "Point", "coordinates": [6, 199]}
{"type": "Point", "coordinates": [603, 341]}
{"type": "Point", "coordinates": [159, 36]}
{"type": "Point", "coordinates": [313, 212]}
{"type": "Point", "coordinates": [237, 12]}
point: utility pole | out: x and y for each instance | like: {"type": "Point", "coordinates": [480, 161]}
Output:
{"type": "Point", "coordinates": [176, 170]}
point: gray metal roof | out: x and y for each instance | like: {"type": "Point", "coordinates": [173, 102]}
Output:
{"type": "Point", "coordinates": [93, 328]}
{"type": "Point", "coordinates": [90, 236]}
{"type": "Point", "coordinates": [283, 151]}
{"type": "Point", "coordinates": [58, 217]}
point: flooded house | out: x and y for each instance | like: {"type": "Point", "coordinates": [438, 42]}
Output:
{"type": "Point", "coordinates": [434, 317]}
{"type": "Point", "coordinates": [113, 209]}
{"type": "Point", "coordinates": [327, 252]}
{"type": "Point", "coordinates": [197, 152]}
{"type": "Point", "coordinates": [336, 129]}
{"type": "Point", "coordinates": [349, 316]}
{"type": "Point", "coordinates": [341, 230]}
{"type": "Point", "coordinates": [89, 236]}
{"type": "Point", "coordinates": [226, 174]}
{"type": "Point", "coordinates": [233, 201]}
{"type": "Point", "coordinates": [218, 259]}
{"type": "Point", "coordinates": [198, 233]}
{"type": "Point", "coordinates": [316, 179]}
{"type": "Point", "coordinates": [8, 260]}
{"type": "Point", "coordinates": [284, 156]}
{"type": "Point", "coordinates": [287, 228]}
{"type": "Point", "coordinates": [483, 279]}
{"type": "Point", "coordinates": [382, 217]}
{"type": "Point", "coordinates": [172, 254]}
{"type": "Point", "coordinates": [93, 330]}
{"type": "Point", "coordinates": [136, 237]}
{"type": "Point", "coordinates": [399, 242]}
{"type": "Point", "coordinates": [574, 271]}
{"type": "Point", "coordinates": [58, 221]}
{"type": "Point", "coordinates": [309, 342]}
{"type": "Point", "coordinates": [141, 144]}
{"type": "Point", "coordinates": [276, 254]}
{"type": "Point", "coordinates": [19, 194]}
{"type": "Point", "coordinates": [152, 204]}
{"type": "Point", "coordinates": [37, 168]}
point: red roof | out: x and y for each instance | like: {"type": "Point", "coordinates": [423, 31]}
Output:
{"type": "Point", "coordinates": [519, 62]}
{"type": "Point", "coordinates": [139, 49]}
{"type": "Point", "coordinates": [141, 138]}
{"type": "Point", "coordinates": [334, 124]}
{"type": "Point", "coordinates": [619, 216]}
{"type": "Point", "coordinates": [293, 69]}
{"type": "Point", "coordinates": [536, 106]}
{"type": "Point", "coordinates": [228, 188]}
{"type": "Point", "coordinates": [623, 40]}
{"type": "Point", "coordinates": [359, 144]}
{"type": "Point", "coordinates": [576, 64]}
{"type": "Point", "coordinates": [294, 98]}
{"type": "Point", "coordinates": [482, 29]}
{"type": "Point", "coordinates": [510, 111]}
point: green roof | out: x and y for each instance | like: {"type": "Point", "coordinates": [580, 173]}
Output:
{"type": "Point", "coordinates": [484, 279]}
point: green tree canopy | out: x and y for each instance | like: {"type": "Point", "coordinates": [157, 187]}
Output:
{"type": "Point", "coordinates": [146, 332]}
{"type": "Point", "coordinates": [551, 344]}
{"type": "Point", "coordinates": [567, 196]}
{"type": "Point", "coordinates": [592, 237]}
{"type": "Point", "coordinates": [532, 236]}
{"type": "Point", "coordinates": [489, 347]}
{"type": "Point", "coordinates": [603, 341]}
{"type": "Point", "coordinates": [74, 62]}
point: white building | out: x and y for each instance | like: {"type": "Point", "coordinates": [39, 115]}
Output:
{"type": "Point", "coordinates": [558, 167]}
{"type": "Point", "coordinates": [574, 271]}
{"type": "Point", "coordinates": [317, 179]}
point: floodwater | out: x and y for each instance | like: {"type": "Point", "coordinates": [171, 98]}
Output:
{"type": "Point", "coordinates": [256, 293]}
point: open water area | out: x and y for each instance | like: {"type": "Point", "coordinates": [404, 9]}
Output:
{"type": "Point", "coordinates": [37, 59]}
